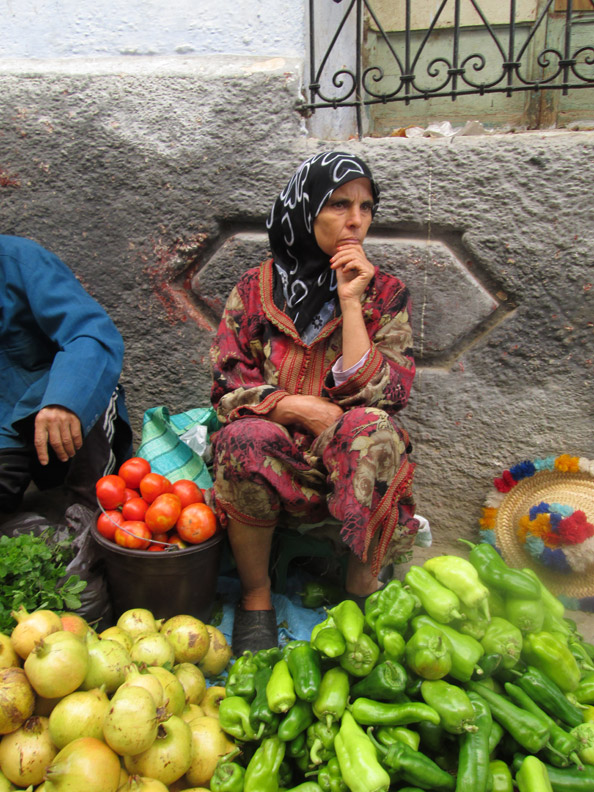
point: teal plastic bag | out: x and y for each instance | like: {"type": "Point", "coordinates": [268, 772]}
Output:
{"type": "Point", "coordinates": [169, 455]}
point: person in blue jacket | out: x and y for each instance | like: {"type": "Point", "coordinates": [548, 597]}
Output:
{"type": "Point", "coordinates": [63, 419]}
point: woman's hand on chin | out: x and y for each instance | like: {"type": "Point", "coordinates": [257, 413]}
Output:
{"type": "Point", "coordinates": [313, 413]}
{"type": "Point", "coordinates": [353, 271]}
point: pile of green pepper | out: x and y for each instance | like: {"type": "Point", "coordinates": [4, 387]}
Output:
{"type": "Point", "coordinates": [465, 677]}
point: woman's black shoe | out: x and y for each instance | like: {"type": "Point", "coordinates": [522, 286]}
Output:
{"type": "Point", "coordinates": [253, 630]}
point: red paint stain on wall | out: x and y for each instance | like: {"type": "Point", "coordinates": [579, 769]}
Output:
{"type": "Point", "coordinates": [171, 275]}
{"type": "Point", "coordinates": [8, 179]}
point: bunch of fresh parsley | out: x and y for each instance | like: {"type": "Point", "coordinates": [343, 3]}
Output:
{"type": "Point", "coordinates": [31, 568]}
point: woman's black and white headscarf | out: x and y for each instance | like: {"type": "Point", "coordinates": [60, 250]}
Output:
{"type": "Point", "coordinates": [304, 284]}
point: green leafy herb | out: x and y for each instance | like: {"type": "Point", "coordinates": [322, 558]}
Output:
{"type": "Point", "coordinates": [31, 568]}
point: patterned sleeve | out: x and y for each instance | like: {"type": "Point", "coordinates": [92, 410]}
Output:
{"type": "Point", "coordinates": [239, 387]}
{"type": "Point", "coordinates": [385, 379]}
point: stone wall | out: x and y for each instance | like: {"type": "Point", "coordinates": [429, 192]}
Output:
{"type": "Point", "coordinates": [152, 179]}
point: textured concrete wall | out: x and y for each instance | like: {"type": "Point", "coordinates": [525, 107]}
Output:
{"type": "Point", "coordinates": [152, 179]}
{"type": "Point", "coordinates": [69, 28]}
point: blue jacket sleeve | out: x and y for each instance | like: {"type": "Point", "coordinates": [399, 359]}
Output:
{"type": "Point", "coordinates": [88, 347]}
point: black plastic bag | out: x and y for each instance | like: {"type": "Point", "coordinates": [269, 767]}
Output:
{"type": "Point", "coordinates": [87, 562]}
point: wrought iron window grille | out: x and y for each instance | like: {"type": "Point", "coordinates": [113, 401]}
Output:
{"type": "Point", "coordinates": [364, 84]}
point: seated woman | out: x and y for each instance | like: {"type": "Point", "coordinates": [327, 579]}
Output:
{"type": "Point", "coordinates": [311, 362]}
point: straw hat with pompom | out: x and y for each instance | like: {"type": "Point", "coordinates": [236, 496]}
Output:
{"type": "Point", "coordinates": [540, 514]}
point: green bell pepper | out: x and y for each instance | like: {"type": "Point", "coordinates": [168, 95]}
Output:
{"type": "Point", "coordinates": [263, 720]}
{"type": "Point", "coordinates": [280, 690]}
{"type": "Point", "coordinates": [285, 773]}
{"type": "Point", "coordinates": [582, 657]}
{"type": "Point", "coordinates": [500, 777]}
{"type": "Point", "coordinates": [496, 574]}
{"type": "Point", "coordinates": [461, 577]}
{"type": "Point", "coordinates": [551, 603]}
{"type": "Point", "coordinates": [584, 735]}
{"type": "Point", "coordinates": [240, 679]}
{"type": "Point", "coordinates": [495, 736]}
{"type": "Point", "coordinates": [320, 742]}
{"type": "Point", "coordinates": [266, 658]}
{"type": "Point", "coordinates": [234, 718]}
{"type": "Point", "coordinates": [413, 767]}
{"type": "Point", "coordinates": [297, 720]}
{"type": "Point", "coordinates": [437, 600]}
{"type": "Point", "coordinates": [433, 738]}
{"type": "Point", "coordinates": [391, 642]}
{"type": "Point", "coordinates": [567, 779]}
{"type": "Point", "coordinates": [298, 752]}
{"type": "Point", "coordinates": [504, 638]}
{"type": "Point", "coordinates": [427, 653]}
{"type": "Point", "coordinates": [548, 695]}
{"type": "Point", "coordinates": [349, 619]}
{"type": "Point", "coordinates": [487, 666]}
{"type": "Point", "coordinates": [327, 622]}
{"type": "Point", "coordinates": [533, 776]}
{"type": "Point", "coordinates": [584, 692]}
{"type": "Point", "coordinates": [385, 682]}
{"type": "Point", "coordinates": [305, 669]}
{"type": "Point", "coordinates": [316, 593]}
{"type": "Point", "coordinates": [330, 777]}
{"type": "Point", "coordinates": [391, 607]}
{"type": "Point", "coordinates": [530, 731]}
{"type": "Point", "coordinates": [381, 713]}
{"type": "Point", "coordinates": [306, 786]}
{"type": "Point", "coordinates": [329, 642]}
{"type": "Point", "coordinates": [496, 603]}
{"type": "Point", "coordinates": [227, 777]}
{"type": "Point", "coordinates": [473, 758]}
{"type": "Point", "coordinates": [452, 704]}
{"type": "Point", "coordinates": [357, 758]}
{"type": "Point", "coordinates": [410, 789]}
{"type": "Point", "coordinates": [554, 658]}
{"type": "Point", "coordinates": [563, 747]}
{"type": "Point", "coordinates": [465, 651]}
{"type": "Point", "coordinates": [360, 656]}
{"type": "Point", "coordinates": [473, 622]}
{"type": "Point", "coordinates": [526, 614]}
{"type": "Point", "coordinates": [262, 772]}
{"type": "Point", "coordinates": [391, 734]}
{"type": "Point", "coordinates": [333, 697]}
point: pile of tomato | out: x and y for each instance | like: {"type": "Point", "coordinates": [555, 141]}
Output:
{"type": "Point", "coordinates": [143, 510]}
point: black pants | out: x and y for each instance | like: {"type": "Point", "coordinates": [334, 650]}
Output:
{"type": "Point", "coordinates": [104, 448]}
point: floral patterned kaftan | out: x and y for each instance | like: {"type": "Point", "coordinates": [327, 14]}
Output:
{"type": "Point", "coordinates": [358, 469]}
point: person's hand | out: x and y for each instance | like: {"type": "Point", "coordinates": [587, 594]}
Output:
{"type": "Point", "coordinates": [353, 271]}
{"type": "Point", "coordinates": [313, 413]}
{"type": "Point", "coordinates": [61, 429]}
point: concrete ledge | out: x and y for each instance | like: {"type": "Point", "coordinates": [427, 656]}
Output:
{"type": "Point", "coordinates": [215, 65]}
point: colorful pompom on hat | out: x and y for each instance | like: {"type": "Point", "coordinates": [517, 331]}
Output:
{"type": "Point", "coordinates": [540, 514]}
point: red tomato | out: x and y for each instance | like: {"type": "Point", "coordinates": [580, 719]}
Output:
{"type": "Point", "coordinates": [161, 537]}
{"type": "Point", "coordinates": [187, 491]}
{"type": "Point", "coordinates": [133, 471]}
{"type": "Point", "coordinates": [130, 493]}
{"type": "Point", "coordinates": [196, 523]}
{"type": "Point", "coordinates": [153, 485]}
{"type": "Point", "coordinates": [175, 539]}
{"type": "Point", "coordinates": [110, 491]}
{"type": "Point", "coordinates": [154, 548]}
{"type": "Point", "coordinates": [108, 521]}
{"type": "Point", "coordinates": [133, 534]}
{"type": "Point", "coordinates": [163, 512]}
{"type": "Point", "coordinates": [134, 509]}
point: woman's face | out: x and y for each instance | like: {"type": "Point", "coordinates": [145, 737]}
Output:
{"type": "Point", "coordinates": [345, 217]}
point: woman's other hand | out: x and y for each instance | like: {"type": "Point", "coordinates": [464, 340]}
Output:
{"type": "Point", "coordinates": [312, 413]}
{"type": "Point", "coordinates": [353, 272]}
